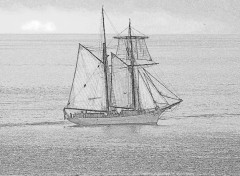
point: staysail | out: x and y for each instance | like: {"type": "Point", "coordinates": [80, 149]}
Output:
{"type": "Point", "coordinates": [121, 83]}
{"type": "Point", "coordinates": [87, 90]}
{"type": "Point", "coordinates": [145, 96]}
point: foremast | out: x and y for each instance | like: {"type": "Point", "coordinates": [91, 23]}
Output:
{"type": "Point", "coordinates": [105, 64]}
{"type": "Point", "coordinates": [90, 89]}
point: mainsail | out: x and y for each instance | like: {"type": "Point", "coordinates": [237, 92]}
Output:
{"type": "Point", "coordinates": [88, 84]}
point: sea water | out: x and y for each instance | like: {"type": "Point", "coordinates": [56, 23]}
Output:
{"type": "Point", "coordinates": [201, 136]}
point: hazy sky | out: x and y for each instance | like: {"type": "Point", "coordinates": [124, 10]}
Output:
{"type": "Point", "coordinates": [148, 16]}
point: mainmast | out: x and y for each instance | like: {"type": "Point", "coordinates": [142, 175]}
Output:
{"type": "Point", "coordinates": [105, 63]}
{"type": "Point", "coordinates": [132, 59]}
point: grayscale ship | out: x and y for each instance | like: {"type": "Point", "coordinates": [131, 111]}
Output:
{"type": "Point", "coordinates": [119, 89]}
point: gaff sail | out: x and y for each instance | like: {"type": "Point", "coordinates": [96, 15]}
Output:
{"type": "Point", "coordinates": [87, 90]}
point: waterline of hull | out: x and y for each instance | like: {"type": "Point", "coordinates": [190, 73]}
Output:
{"type": "Point", "coordinates": [138, 119]}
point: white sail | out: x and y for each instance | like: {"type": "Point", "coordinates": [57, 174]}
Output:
{"type": "Point", "coordinates": [88, 85]}
{"type": "Point", "coordinates": [139, 48]}
{"type": "Point", "coordinates": [121, 83]}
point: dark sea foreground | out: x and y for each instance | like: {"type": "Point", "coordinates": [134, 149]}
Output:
{"type": "Point", "coordinates": [200, 137]}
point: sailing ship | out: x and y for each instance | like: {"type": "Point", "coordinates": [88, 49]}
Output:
{"type": "Point", "coordinates": [118, 89]}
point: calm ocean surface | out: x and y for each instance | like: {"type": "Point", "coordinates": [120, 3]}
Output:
{"type": "Point", "coordinates": [203, 138]}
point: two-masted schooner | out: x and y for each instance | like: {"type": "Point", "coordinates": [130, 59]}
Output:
{"type": "Point", "coordinates": [118, 89]}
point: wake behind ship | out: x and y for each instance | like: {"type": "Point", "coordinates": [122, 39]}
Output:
{"type": "Point", "coordinates": [118, 89]}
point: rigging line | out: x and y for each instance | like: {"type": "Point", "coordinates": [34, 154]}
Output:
{"type": "Point", "coordinates": [100, 46]}
{"type": "Point", "coordinates": [136, 48]}
{"type": "Point", "coordinates": [115, 30]}
{"type": "Point", "coordinates": [168, 83]}
{"type": "Point", "coordinates": [154, 86]}
{"type": "Point", "coordinates": [91, 47]}
{"type": "Point", "coordinates": [147, 50]}
{"type": "Point", "coordinates": [175, 107]}
{"type": "Point", "coordinates": [138, 65]}
{"type": "Point", "coordinates": [79, 90]}
{"type": "Point", "coordinates": [158, 90]}
{"type": "Point", "coordinates": [147, 85]}
{"type": "Point", "coordinates": [117, 47]}
{"type": "Point", "coordinates": [75, 96]}
{"type": "Point", "coordinates": [117, 36]}
{"type": "Point", "coordinates": [141, 47]}
{"type": "Point", "coordinates": [150, 88]}
{"type": "Point", "coordinates": [120, 59]}
{"type": "Point", "coordinates": [91, 53]}
{"type": "Point", "coordinates": [87, 109]}
{"type": "Point", "coordinates": [74, 73]}
{"type": "Point", "coordinates": [122, 31]}
{"type": "Point", "coordinates": [138, 31]}
{"type": "Point", "coordinates": [100, 34]}
{"type": "Point", "coordinates": [172, 105]}
{"type": "Point", "coordinates": [88, 78]}
{"type": "Point", "coordinates": [161, 83]}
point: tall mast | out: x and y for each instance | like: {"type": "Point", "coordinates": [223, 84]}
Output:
{"type": "Point", "coordinates": [132, 66]}
{"type": "Point", "coordinates": [105, 63]}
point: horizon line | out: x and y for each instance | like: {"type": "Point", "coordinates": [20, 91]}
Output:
{"type": "Point", "coordinates": [116, 34]}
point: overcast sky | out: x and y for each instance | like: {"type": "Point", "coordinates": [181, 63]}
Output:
{"type": "Point", "coordinates": [148, 16]}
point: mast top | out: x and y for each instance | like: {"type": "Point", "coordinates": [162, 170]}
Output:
{"type": "Point", "coordinates": [127, 36]}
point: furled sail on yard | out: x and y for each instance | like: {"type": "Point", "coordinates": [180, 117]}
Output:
{"type": "Point", "coordinates": [88, 84]}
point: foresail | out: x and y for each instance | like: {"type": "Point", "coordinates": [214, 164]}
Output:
{"type": "Point", "coordinates": [88, 85]}
{"type": "Point", "coordinates": [145, 97]}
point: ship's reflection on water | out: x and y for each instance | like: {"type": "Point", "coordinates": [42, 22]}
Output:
{"type": "Point", "coordinates": [119, 130]}
{"type": "Point", "coordinates": [122, 134]}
